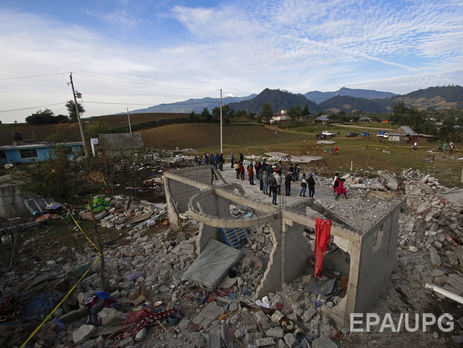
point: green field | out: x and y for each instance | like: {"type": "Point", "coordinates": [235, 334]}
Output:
{"type": "Point", "coordinates": [367, 154]}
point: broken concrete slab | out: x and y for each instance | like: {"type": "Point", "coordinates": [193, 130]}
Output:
{"type": "Point", "coordinates": [212, 265]}
{"type": "Point", "coordinates": [82, 333]}
{"type": "Point", "coordinates": [324, 342]}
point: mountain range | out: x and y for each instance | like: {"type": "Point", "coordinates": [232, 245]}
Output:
{"type": "Point", "coordinates": [347, 99]}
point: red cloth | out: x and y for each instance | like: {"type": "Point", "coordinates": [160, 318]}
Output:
{"type": "Point", "coordinates": [322, 239]}
{"type": "Point", "coordinates": [340, 189]}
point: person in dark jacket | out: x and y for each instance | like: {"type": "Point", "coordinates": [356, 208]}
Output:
{"type": "Point", "coordinates": [288, 179]}
{"type": "Point", "coordinates": [221, 162]}
{"type": "Point", "coordinates": [212, 160]}
{"type": "Point", "coordinates": [311, 184]}
{"type": "Point", "coordinates": [273, 188]}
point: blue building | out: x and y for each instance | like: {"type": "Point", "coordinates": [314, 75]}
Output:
{"type": "Point", "coordinates": [27, 153]}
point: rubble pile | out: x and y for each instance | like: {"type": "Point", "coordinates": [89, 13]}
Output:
{"type": "Point", "coordinates": [433, 227]}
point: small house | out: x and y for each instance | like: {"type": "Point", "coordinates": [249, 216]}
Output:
{"type": "Point", "coordinates": [26, 153]}
{"type": "Point", "coordinates": [118, 143]}
{"type": "Point", "coordinates": [323, 119]}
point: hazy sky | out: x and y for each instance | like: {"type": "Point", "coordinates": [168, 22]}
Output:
{"type": "Point", "coordinates": [140, 53]}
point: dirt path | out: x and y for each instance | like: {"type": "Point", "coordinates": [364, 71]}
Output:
{"type": "Point", "coordinates": [359, 127]}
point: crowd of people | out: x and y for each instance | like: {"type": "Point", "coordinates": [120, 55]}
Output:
{"type": "Point", "coordinates": [270, 176]}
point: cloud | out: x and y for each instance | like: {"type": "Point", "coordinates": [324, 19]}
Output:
{"type": "Point", "coordinates": [242, 47]}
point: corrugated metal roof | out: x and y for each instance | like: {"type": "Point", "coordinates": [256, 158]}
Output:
{"type": "Point", "coordinates": [408, 130]}
{"type": "Point", "coordinates": [35, 146]}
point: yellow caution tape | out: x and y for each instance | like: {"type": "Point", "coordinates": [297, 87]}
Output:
{"type": "Point", "coordinates": [81, 230]}
{"type": "Point", "coordinates": [59, 304]}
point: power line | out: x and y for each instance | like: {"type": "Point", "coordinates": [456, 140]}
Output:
{"type": "Point", "coordinates": [33, 107]}
{"type": "Point", "coordinates": [29, 76]}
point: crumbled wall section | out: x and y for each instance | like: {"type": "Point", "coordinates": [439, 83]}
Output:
{"type": "Point", "coordinates": [372, 253]}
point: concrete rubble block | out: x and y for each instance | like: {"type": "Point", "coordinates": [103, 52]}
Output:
{"type": "Point", "coordinates": [324, 342]}
{"type": "Point", "coordinates": [290, 339]}
{"type": "Point", "coordinates": [140, 335]}
{"type": "Point", "coordinates": [111, 316]}
{"type": "Point", "coordinates": [213, 341]}
{"type": "Point", "coordinates": [275, 332]}
{"type": "Point", "coordinates": [262, 320]}
{"type": "Point", "coordinates": [456, 282]}
{"type": "Point", "coordinates": [212, 311]}
{"type": "Point", "coordinates": [308, 314]}
{"type": "Point", "coordinates": [212, 265]}
{"type": "Point", "coordinates": [276, 317]}
{"type": "Point", "coordinates": [265, 342]}
{"type": "Point", "coordinates": [82, 333]}
{"type": "Point", "coordinates": [435, 258]}
{"type": "Point", "coordinates": [73, 316]}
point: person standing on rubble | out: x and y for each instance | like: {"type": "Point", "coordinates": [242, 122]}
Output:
{"type": "Point", "coordinates": [341, 189]}
{"type": "Point", "coordinates": [335, 182]}
{"type": "Point", "coordinates": [221, 162]}
{"type": "Point", "coordinates": [251, 173]}
{"type": "Point", "coordinates": [311, 184]}
{"type": "Point", "coordinates": [206, 159]}
{"type": "Point", "coordinates": [241, 157]}
{"type": "Point", "coordinates": [211, 159]}
{"type": "Point", "coordinates": [288, 179]}
{"type": "Point", "coordinates": [279, 180]}
{"type": "Point", "coordinates": [273, 188]}
{"type": "Point", "coordinates": [265, 182]}
{"type": "Point", "coordinates": [303, 186]}
{"type": "Point", "coordinates": [217, 160]}
{"type": "Point", "coordinates": [232, 160]}
{"type": "Point", "coordinates": [237, 169]}
{"type": "Point", "coordinates": [241, 168]}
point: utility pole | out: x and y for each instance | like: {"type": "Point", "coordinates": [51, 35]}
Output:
{"type": "Point", "coordinates": [128, 118]}
{"type": "Point", "coordinates": [221, 143]}
{"type": "Point", "coordinates": [82, 134]}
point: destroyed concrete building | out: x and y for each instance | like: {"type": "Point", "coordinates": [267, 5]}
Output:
{"type": "Point", "coordinates": [118, 143]}
{"type": "Point", "coordinates": [371, 250]}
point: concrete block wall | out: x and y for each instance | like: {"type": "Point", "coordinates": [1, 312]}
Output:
{"type": "Point", "coordinates": [296, 252]}
{"type": "Point", "coordinates": [378, 259]}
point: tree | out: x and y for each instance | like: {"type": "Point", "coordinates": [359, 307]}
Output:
{"type": "Point", "coordinates": [70, 105]}
{"type": "Point", "coordinates": [267, 111]}
{"type": "Point", "coordinates": [412, 117]}
{"type": "Point", "coordinates": [41, 117]}
{"type": "Point", "coordinates": [305, 111]}
{"type": "Point", "coordinates": [227, 113]}
{"type": "Point", "coordinates": [206, 114]}
{"type": "Point", "coordinates": [294, 112]}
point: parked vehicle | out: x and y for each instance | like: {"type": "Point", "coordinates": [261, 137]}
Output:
{"type": "Point", "coordinates": [382, 134]}
{"type": "Point", "coordinates": [352, 134]}
{"type": "Point", "coordinates": [328, 133]}
{"type": "Point", "coordinates": [365, 134]}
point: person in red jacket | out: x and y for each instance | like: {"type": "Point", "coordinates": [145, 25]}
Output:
{"type": "Point", "coordinates": [341, 189]}
{"type": "Point", "coordinates": [241, 170]}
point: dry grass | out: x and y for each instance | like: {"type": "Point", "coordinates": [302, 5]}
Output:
{"type": "Point", "coordinates": [121, 120]}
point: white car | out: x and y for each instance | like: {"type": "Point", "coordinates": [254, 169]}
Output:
{"type": "Point", "coordinates": [328, 133]}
